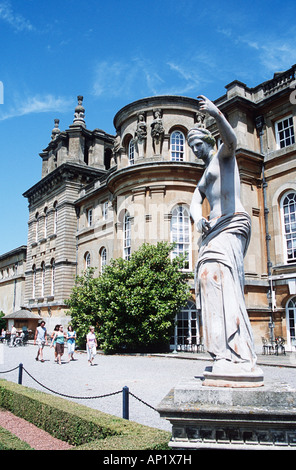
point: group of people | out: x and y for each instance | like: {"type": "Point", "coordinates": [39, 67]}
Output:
{"type": "Point", "coordinates": [58, 339]}
{"type": "Point", "coordinates": [12, 336]}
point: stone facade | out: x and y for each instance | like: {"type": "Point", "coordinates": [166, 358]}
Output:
{"type": "Point", "coordinates": [101, 196]}
{"type": "Point", "coordinates": [12, 280]}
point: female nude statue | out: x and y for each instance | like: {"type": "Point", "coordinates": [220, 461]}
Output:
{"type": "Point", "coordinates": [225, 237]}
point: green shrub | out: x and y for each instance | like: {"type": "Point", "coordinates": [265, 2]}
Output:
{"type": "Point", "coordinates": [77, 424]}
{"type": "Point", "coordinates": [133, 303]}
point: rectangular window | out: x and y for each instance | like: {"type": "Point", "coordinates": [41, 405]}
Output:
{"type": "Point", "coordinates": [89, 217]}
{"type": "Point", "coordinates": [105, 210]}
{"type": "Point", "coordinates": [285, 132]}
{"type": "Point", "coordinates": [127, 237]}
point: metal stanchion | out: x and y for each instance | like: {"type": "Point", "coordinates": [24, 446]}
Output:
{"type": "Point", "coordinates": [125, 403]}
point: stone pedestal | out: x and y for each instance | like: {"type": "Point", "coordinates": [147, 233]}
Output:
{"type": "Point", "coordinates": [233, 376]}
{"type": "Point", "coordinates": [230, 418]}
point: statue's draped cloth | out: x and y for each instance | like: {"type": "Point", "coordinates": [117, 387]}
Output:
{"type": "Point", "coordinates": [219, 282]}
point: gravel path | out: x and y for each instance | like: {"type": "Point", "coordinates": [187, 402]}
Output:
{"type": "Point", "coordinates": [149, 379]}
{"type": "Point", "coordinates": [27, 432]}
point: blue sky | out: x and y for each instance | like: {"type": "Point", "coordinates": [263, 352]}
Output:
{"type": "Point", "coordinates": [115, 52]}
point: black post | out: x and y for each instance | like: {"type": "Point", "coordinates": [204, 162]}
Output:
{"type": "Point", "coordinates": [20, 376]}
{"type": "Point", "coordinates": [125, 403]}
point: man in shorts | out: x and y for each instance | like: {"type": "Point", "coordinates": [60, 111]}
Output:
{"type": "Point", "coordinates": [41, 338]}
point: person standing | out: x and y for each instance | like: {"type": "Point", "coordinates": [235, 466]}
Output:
{"type": "Point", "coordinates": [91, 345]}
{"type": "Point", "coordinates": [12, 335]}
{"type": "Point", "coordinates": [71, 337]}
{"type": "Point", "coordinates": [59, 339]}
{"type": "Point", "coordinates": [41, 339]}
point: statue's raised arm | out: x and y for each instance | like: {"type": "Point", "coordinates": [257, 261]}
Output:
{"type": "Point", "coordinates": [226, 131]}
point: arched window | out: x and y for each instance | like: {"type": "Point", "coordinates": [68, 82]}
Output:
{"type": "Point", "coordinates": [87, 260]}
{"type": "Point", "coordinates": [103, 258]}
{"type": "Point", "coordinates": [55, 217]}
{"type": "Point", "coordinates": [181, 234]}
{"type": "Point", "coordinates": [36, 226]}
{"type": "Point", "coordinates": [177, 146]}
{"type": "Point", "coordinates": [291, 323]}
{"type": "Point", "coordinates": [34, 281]}
{"type": "Point", "coordinates": [42, 279]}
{"type": "Point", "coordinates": [52, 267]}
{"type": "Point", "coordinates": [45, 222]}
{"type": "Point", "coordinates": [131, 152]}
{"type": "Point", "coordinates": [288, 208]}
{"type": "Point", "coordinates": [126, 236]}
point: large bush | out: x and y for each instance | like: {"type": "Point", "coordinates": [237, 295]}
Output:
{"type": "Point", "coordinates": [133, 304]}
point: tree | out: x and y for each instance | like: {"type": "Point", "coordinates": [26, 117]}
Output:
{"type": "Point", "coordinates": [133, 303]}
{"type": "Point", "coordinates": [2, 321]}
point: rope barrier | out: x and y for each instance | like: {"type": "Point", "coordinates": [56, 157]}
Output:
{"type": "Point", "coordinates": [6, 371]}
{"type": "Point", "coordinates": [125, 391]}
{"type": "Point", "coordinates": [139, 399]}
{"type": "Point", "coordinates": [70, 396]}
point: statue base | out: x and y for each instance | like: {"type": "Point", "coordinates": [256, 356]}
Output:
{"type": "Point", "coordinates": [233, 378]}
{"type": "Point", "coordinates": [262, 418]}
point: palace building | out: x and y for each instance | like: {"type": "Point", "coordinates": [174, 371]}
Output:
{"type": "Point", "coordinates": [101, 196]}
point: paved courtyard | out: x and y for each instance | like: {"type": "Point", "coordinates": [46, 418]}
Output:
{"type": "Point", "coordinates": [149, 378]}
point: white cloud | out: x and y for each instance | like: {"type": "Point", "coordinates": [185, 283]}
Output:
{"type": "Point", "coordinates": [37, 104]}
{"type": "Point", "coordinates": [274, 52]}
{"type": "Point", "coordinates": [277, 57]}
{"type": "Point", "coordinates": [142, 77]}
{"type": "Point", "coordinates": [16, 21]}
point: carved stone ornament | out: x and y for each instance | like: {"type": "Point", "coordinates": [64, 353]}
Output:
{"type": "Point", "coordinates": [117, 144]}
{"type": "Point", "coordinates": [157, 130]}
{"type": "Point", "coordinates": [56, 131]}
{"type": "Point", "coordinates": [141, 132]}
{"type": "Point", "coordinates": [79, 114]}
{"type": "Point", "coordinates": [200, 120]}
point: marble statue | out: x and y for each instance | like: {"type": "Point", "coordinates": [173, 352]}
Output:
{"type": "Point", "coordinates": [225, 235]}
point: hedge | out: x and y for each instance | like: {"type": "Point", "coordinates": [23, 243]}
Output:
{"type": "Point", "coordinates": [79, 425]}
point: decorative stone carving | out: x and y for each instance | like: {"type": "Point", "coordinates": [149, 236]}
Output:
{"type": "Point", "coordinates": [200, 120]}
{"type": "Point", "coordinates": [141, 134]}
{"type": "Point", "coordinates": [56, 131]}
{"type": "Point", "coordinates": [157, 131]}
{"type": "Point", "coordinates": [117, 144]}
{"type": "Point", "coordinates": [79, 114]}
{"type": "Point", "coordinates": [231, 418]}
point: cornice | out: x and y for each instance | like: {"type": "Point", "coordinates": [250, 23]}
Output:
{"type": "Point", "coordinates": [67, 172]}
{"type": "Point", "coordinates": [161, 167]}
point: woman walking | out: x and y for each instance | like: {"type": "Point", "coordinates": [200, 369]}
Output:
{"type": "Point", "coordinates": [59, 339]}
{"type": "Point", "coordinates": [91, 345]}
{"type": "Point", "coordinates": [53, 338]}
{"type": "Point", "coordinates": [71, 337]}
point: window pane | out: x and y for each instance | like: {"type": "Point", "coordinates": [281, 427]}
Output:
{"type": "Point", "coordinates": [177, 146]}
{"type": "Point", "coordinates": [289, 217]}
{"type": "Point", "coordinates": [180, 234]}
{"type": "Point", "coordinates": [285, 132]}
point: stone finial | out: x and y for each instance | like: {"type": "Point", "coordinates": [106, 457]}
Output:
{"type": "Point", "coordinates": [79, 114]}
{"type": "Point", "coordinates": [56, 131]}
